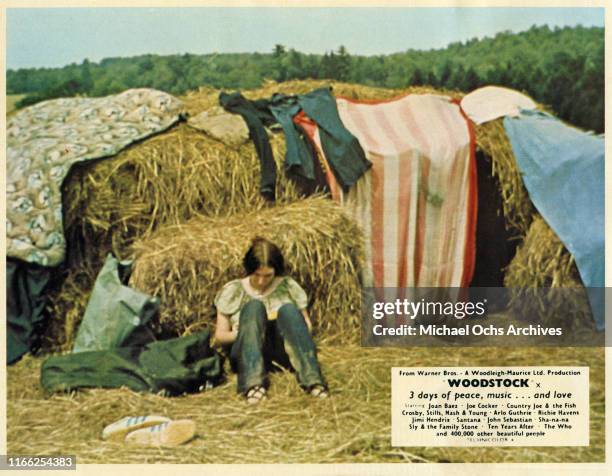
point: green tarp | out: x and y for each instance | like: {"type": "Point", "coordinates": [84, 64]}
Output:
{"type": "Point", "coordinates": [116, 315]}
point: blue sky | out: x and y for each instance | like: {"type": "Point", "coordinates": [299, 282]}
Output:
{"type": "Point", "coordinates": [59, 36]}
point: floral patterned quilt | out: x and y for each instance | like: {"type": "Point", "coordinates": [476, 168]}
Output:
{"type": "Point", "coordinates": [46, 139]}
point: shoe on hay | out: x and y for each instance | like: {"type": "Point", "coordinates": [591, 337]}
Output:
{"type": "Point", "coordinates": [116, 431]}
{"type": "Point", "coordinates": [172, 433]}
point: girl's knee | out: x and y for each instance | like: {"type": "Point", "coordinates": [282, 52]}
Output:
{"type": "Point", "coordinates": [253, 310]}
{"type": "Point", "coordinates": [289, 311]}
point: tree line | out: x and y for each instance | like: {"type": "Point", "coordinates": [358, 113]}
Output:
{"type": "Point", "coordinates": [562, 68]}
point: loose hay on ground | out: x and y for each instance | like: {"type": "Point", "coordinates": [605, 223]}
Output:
{"type": "Point", "coordinates": [351, 427]}
{"type": "Point", "coordinates": [185, 265]}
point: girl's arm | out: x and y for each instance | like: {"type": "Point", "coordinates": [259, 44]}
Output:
{"type": "Point", "coordinates": [223, 331]}
{"type": "Point", "coordinates": [307, 319]}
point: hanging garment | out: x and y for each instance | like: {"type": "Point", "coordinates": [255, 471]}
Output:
{"type": "Point", "coordinates": [298, 156]}
{"type": "Point", "coordinates": [563, 171]}
{"type": "Point", "coordinates": [257, 116]}
{"type": "Point", "coordinates": [343, 152]}
{"type": "Point", "coordinates": [311, 131]}
{"type": "Point", "coordinates": [176, 366]}
{"type": "Point", "coordinates": [418, 203]}
{"type": "Point", "coordinates": [342, 149]}
{"type": "Point", "coordinates": [46, 139]}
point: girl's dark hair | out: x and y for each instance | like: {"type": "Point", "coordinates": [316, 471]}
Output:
{"type": "Point", "coordinates": [263, 253]}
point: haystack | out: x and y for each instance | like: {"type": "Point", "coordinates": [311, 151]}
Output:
{"type": "Point", "coordinates": [185, 265]}
{"type": "Point", "coordinates": [171, 178]}
{"type": "Point", "coordinates": [175, 175]}
{"type": "Point", "coordinates": [164, 180]}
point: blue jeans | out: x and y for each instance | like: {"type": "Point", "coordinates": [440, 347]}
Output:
{"type": "Point", "coordinates": [285, 341]}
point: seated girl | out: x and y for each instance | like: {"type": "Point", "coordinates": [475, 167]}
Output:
{"type": "Point", "coordinates": [264, 318]}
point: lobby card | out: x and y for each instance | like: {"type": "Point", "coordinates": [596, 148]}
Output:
{"type": "Point", "coordinates": [463, 379]}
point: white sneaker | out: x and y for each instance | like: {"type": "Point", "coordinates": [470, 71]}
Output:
{"type": "Point", "coordinates": [172, 433]}
{"type": "Point", "coordinates": [117, 431]}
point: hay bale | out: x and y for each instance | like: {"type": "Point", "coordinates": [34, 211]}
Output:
{"type": "Point", "coordinates": [164, 180]}
{"type": "Point", "coordinates": [68, 299]}
{"type": "Point", "coordinates": [491, 138]}
{"type": "Point", "coordinates": [185, 265]}
{"type": "Point", "coordinates": [542, 262]}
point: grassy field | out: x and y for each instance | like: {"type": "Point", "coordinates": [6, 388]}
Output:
{"type": "Point", "coordinates": [353, 426]}
{"type": "Point", "coordinates": [11, 100]}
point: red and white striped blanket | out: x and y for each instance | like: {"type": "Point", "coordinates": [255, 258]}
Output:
{"type": "Point", "coordinates": [418, 203]}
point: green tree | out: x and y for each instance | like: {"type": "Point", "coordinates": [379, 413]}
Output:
{"type": "Point", "coordinates": [279, 50]}
{"type": "Point", "coordinates": [342, 67]}
{"type": "Point", "coordinates": [328, 65]}
{"type": "Point", "coordinates": [445, 75]}
{"type": "Point", "coordinates": [432, 79]}
{"type": "Point", "coordinates": [457, 78]}
{"type": "Point", "coordinates": [418, 78]}
{"type": "Point", "coordinates": [280, 65]}
{"type": "Point", "coordinates": [293, 66]}
{"type": "Point", "coordinates": [86, 79]}
{"type": "Point", "coordinates": [471, 80]}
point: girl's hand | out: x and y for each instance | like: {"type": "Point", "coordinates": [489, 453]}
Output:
{"type": "Point", "coordinates": [307, 320]}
